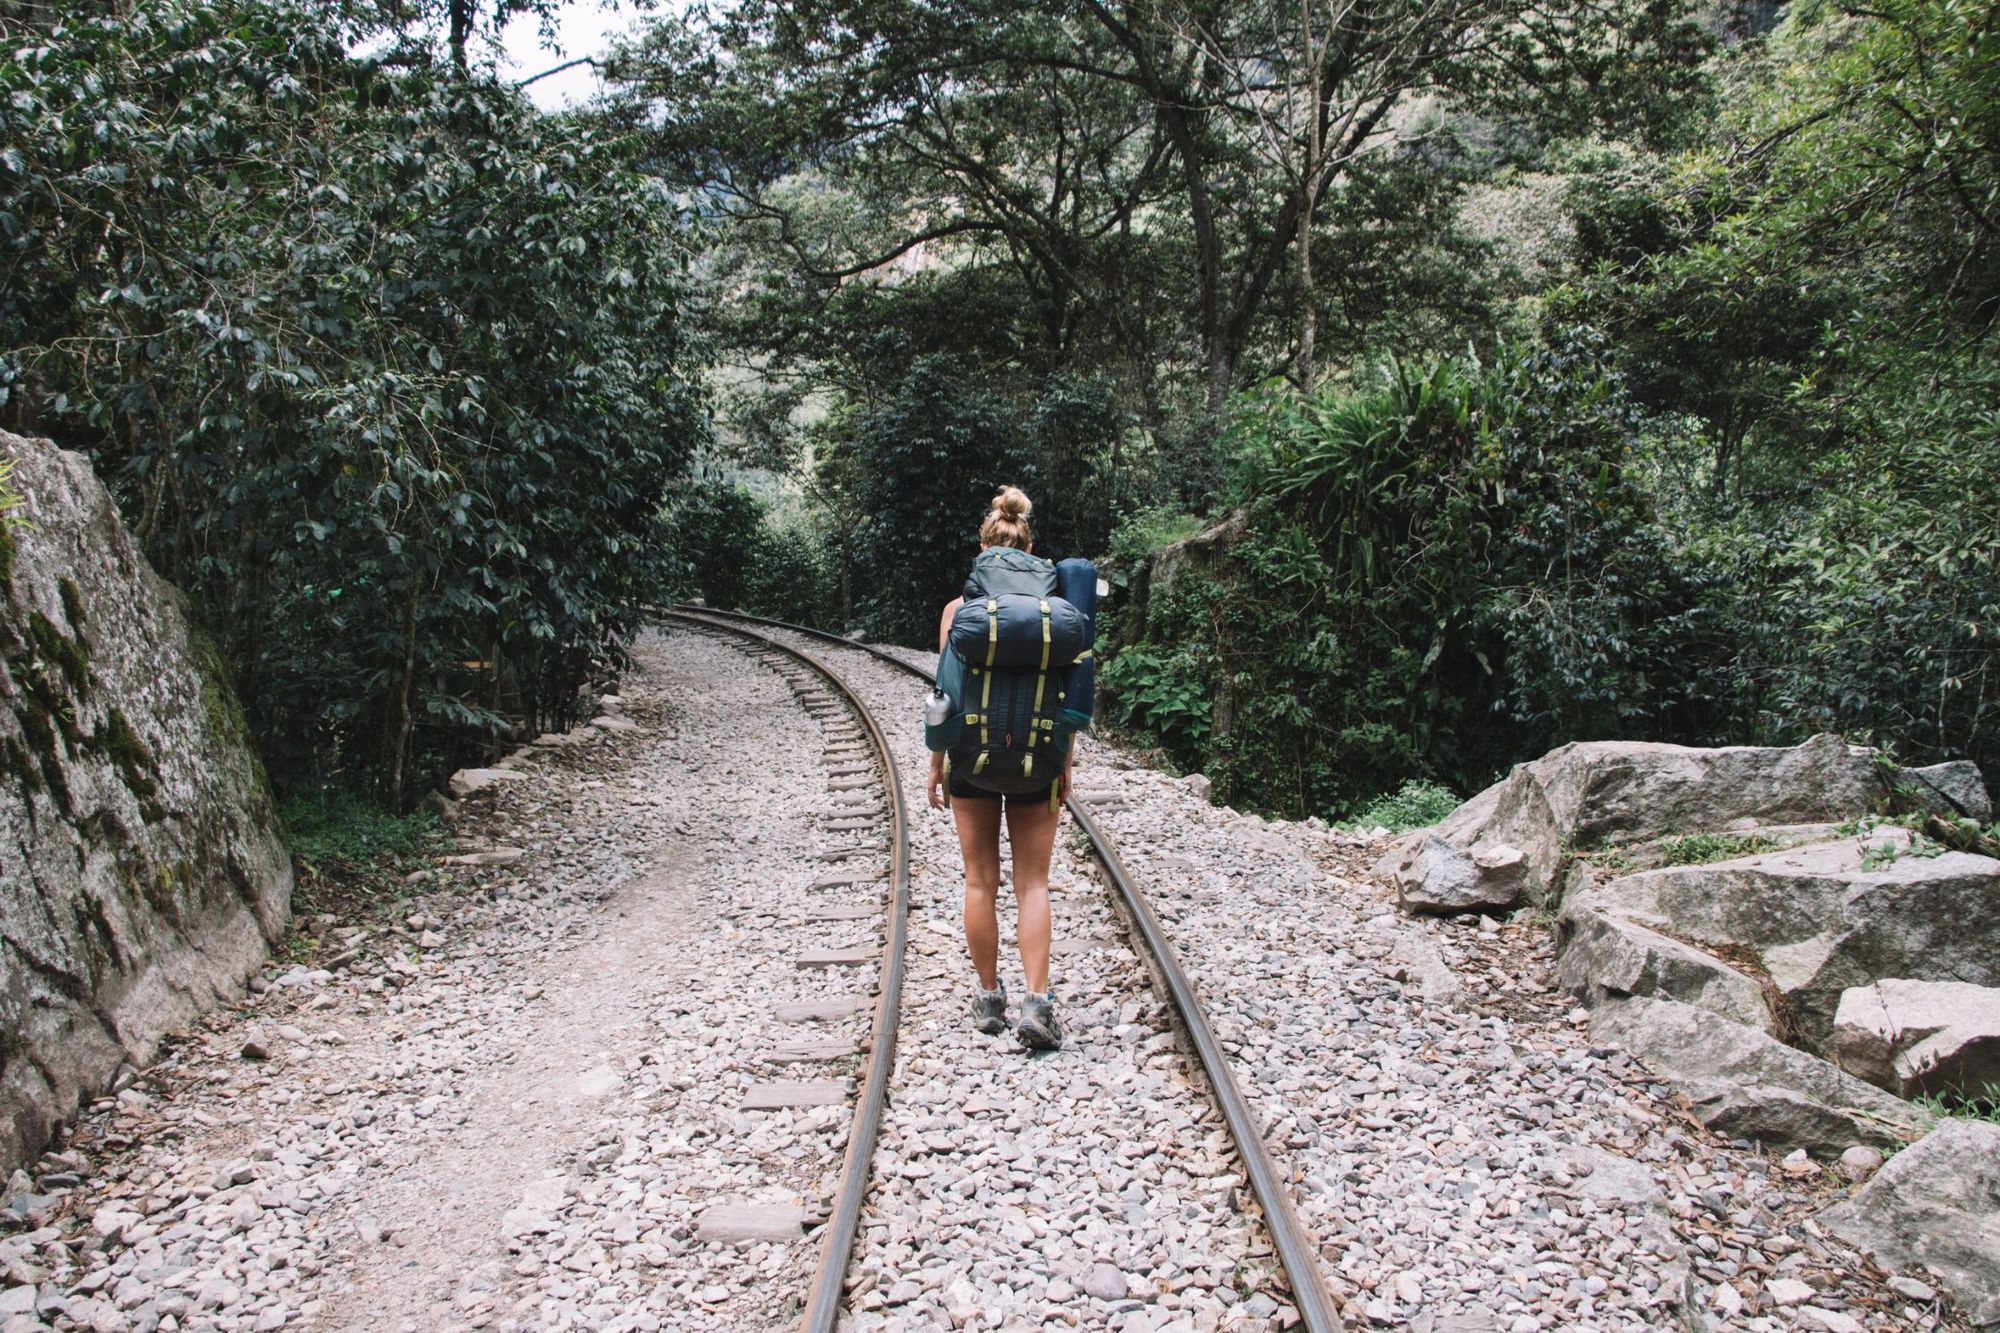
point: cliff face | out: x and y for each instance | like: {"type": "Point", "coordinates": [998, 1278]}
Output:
{"type": "Point", "coordinates": [143, 871]}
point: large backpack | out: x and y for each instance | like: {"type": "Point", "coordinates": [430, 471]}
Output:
{"type": "Point", "coordinates": [1017, 670]}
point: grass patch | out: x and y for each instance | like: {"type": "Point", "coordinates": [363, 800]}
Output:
{"type": "Point", "coordinates": [345, 846]}
{"type": "Point", "coordinates": [1697, 849]}
{"type": "Point", "coordinates": [1413, 805]}
{"type": "Point", "coordinates": [1981, 1105]}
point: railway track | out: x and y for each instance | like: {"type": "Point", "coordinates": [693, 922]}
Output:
{"type": "Point", "coordinates": [823, 1298]}
{"type": "Point", "coordinates": [1295, 1249]}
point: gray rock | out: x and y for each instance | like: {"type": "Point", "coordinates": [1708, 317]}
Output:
{"type": "Point", "coordinates": [1605, 956]}
{"type": "Point", "coordinates": [1746, 1084]}
{"type": "Point", "coordinates": [1819, 923]}
{"type": "Point", "coordinates": [1106, 1283]}
{"type": "Point", "coordinates": [1912, 1290]}
{"type": "Point", "coordinates": [469, 780]}
{"type": "Point", "coordinates": [1916, 1037]}
{"type": "Point", "coordinates": [146, 868]}
{"type": "Point", "coordinates": [1603, 793]}
{"type": "Point", "coordinates": [1447, 879]}
{"type": "Point", "coordinates": [1935, 1206]}
{"type": "Point", "coordinates": [1951, 789]}
{"type": "Point", "coordinates": [1860, 1162]}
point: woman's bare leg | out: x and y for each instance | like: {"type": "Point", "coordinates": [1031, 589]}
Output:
{"type": "Point", "coordinates": [979, 842]}
{"type": "Point", "coordinates": [1031, 835]}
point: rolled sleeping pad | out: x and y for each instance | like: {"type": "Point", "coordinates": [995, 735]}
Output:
{"type": "Point", "coordinates": [1076, 583]}
{"type": "Point", "coordinates": [1009, 631]}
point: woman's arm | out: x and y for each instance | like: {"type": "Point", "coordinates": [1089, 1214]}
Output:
{"type": "Point", "coordinates": [944, 621]}
{"type": "Point", "coordinates": [935, 787]}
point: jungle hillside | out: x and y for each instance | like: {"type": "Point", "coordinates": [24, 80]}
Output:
{"type": "Point", "coordinates": [1436, 381]}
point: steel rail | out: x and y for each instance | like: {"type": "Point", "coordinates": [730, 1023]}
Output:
{"type": "Point", "coordinates": [829, 1282]}
{"type": "Point", "coordinates": [1297, 1252]}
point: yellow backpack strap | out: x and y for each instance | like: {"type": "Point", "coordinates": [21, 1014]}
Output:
{"type": "Point", "coordinates": [1041, 681]}
{"type": "Point", "coordinates": [992, 629]}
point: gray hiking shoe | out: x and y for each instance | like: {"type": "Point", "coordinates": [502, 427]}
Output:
{"type": "Point", "coordinates": [1038, 1028]}
{"type": "Point", "coordinates": [989, 1009]}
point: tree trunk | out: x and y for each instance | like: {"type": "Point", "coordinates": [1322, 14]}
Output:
{"type": "Point", "coordinates": [404, 718]}
{"type": "Point", "coordinates": [461, 31]}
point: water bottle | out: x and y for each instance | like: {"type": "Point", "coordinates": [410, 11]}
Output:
{"type": "Point", "coordinates": [936, 709]}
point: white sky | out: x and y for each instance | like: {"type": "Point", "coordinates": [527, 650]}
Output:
{"type": "Point", "coordinates": [583, 28]}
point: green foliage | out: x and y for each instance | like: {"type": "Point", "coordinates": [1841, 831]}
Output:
{"type": "Point", "coordinates": [387, 369]}
{"type": "Point", "coordinates": [1164, 694]}
{"type": "Point", "coordinates": [1442, 575]}
{"type": "Point", "coordinates": [1149, 529]}
{"type": "Point", "coordinates": [1697, 849]}
{"type": "Point", "coordinates": [1416, 804]}
{"type": "Point", "coordinates": [334, 828]}
{"type": "Point", "coordinates": [1813, 291]}
{"type": "Point", "coordinates": [1982, 1103]}
{"type": "Point", "coordinates": [738, 557]}
{"type": "Point", "coordinates": [915, 473]}
{"type": "Point", "coordinates": [347, 846]}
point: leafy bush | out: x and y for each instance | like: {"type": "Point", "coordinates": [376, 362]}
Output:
{"type": "Point", "coordinates": [1819, 311]}
{"type": "Point", "coordinates": [914, 474]}
{"type": "Point", "coordinates": [1416, 804]}
{"type": "Point", "coordinates": [739, 558]}
{"type": "Point", "coordinates": [1147, 530]}
{"type": "Point", "coordinates": [1163, 694]}
{"type": "Point", "coordinates": [386, 369]}
{"type": "Point", "coordinates": [348, 848]}
{"type": "Point", "coordinates": [1443, 574]}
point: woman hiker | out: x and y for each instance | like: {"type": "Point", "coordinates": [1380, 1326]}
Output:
{"type": "Point", "coordinates": [1031, 832]}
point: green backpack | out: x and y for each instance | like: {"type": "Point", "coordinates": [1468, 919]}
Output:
{"type": "Point", "coordinates": [1009, 730]}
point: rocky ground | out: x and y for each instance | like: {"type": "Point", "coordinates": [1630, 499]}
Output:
{"type": "Point", "coordinates": [510, 1100]}
{"type": "Point", "coordinates": [1467, 1157]}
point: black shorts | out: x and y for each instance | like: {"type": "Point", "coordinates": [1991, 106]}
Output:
{"type": "Point", "coordinates": [960, 787]}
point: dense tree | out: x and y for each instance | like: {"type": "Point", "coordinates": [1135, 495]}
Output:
{"type": "Point", "coordinates": [1130, 162]}
{"type": "Point", "coordinates": [387, 369]}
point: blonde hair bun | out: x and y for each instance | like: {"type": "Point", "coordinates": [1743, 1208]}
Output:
{"type": "Point", "coordinates": [1006, 523]}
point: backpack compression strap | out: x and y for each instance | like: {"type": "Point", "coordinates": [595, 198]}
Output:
{"type": "Point", "coordinates": [1041, 683]}
{"type": "Point", "coordinates": [986, 686]}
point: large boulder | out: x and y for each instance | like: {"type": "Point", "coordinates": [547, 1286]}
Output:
{"type": "Point", "coordinates": [1935, 1206]}
{"type": "Point", "coordinates": [1746, 1084]}
{"type": "Point", "coordinates": [1447, 879]}
{"type": "Point", "coordinates": [1954, 788]}
{"type": "Point", "coordinates": [1814, 920]}
{"type": "Point", "coordinates": [145, 870]}
{"type": "Point", "coordinates": [1603, 956]}
{"type": "Point", "coordinates": [1602, 793]}
{"type": "Point", "coordinates": [1915, 1037]}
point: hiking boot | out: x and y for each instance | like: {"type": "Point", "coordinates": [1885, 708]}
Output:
{"type": "Point", "coordinates": [989, 1009]}
{"type": "Point", "coordinates": [1038, 1029]}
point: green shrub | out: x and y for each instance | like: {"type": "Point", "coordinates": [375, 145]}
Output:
{"type": "Point", "coordinates": [387, 369]}
{"type": "Point", "coordinates": [1164, 695]}
{"type": "Point", "coordinates": [735, 555]}
{"type": "Point", "coordinates": [1147, 530]}
{"type": "Point", "coordinates": [1444, 572]}
{"type": "Point", "coordinates": [336, 831]}
{"type": "Point", "coordinates": [1416, 804]}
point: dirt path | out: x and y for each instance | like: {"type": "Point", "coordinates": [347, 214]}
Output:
{"type": "Point", "coordinates": [526, 1115]}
